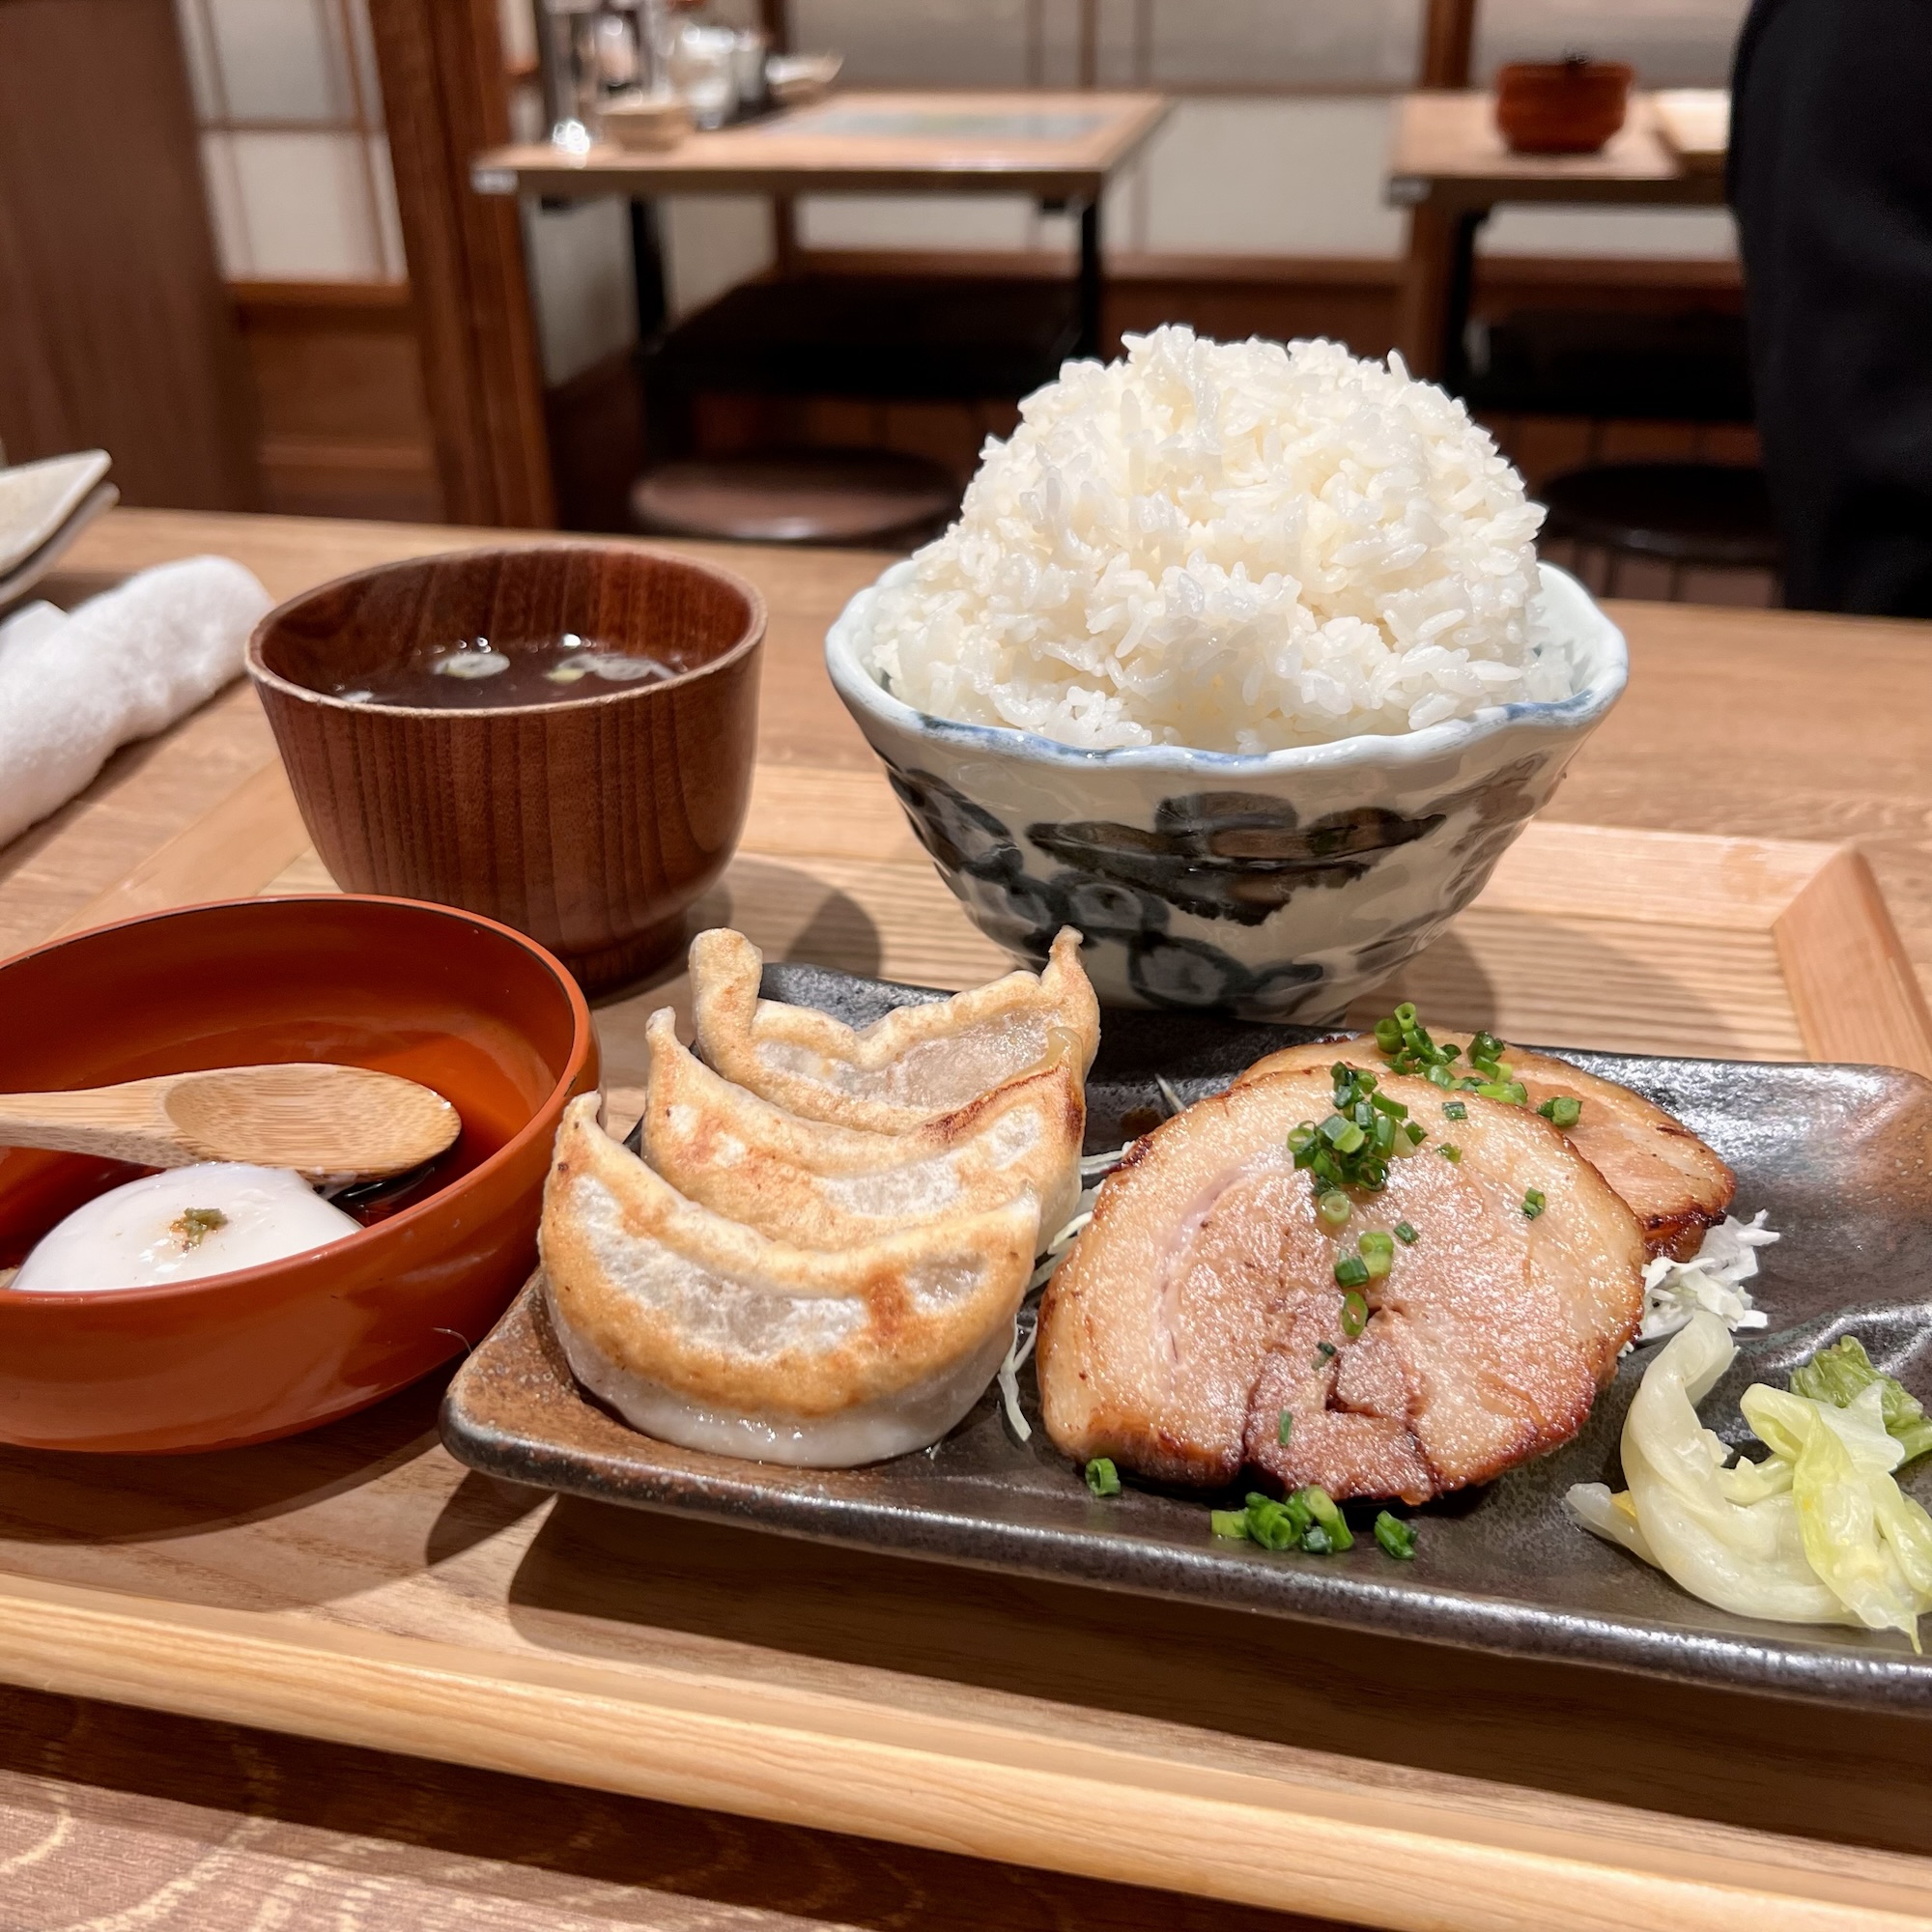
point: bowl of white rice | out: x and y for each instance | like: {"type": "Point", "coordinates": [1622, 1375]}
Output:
{"type": "Point", "coordinates": [1240, 659]}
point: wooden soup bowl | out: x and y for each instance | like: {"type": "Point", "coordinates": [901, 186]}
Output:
{"type": "Point", "coordinates": [466, 1006]}
{"type": "Point", "coordinates": [592, 823]}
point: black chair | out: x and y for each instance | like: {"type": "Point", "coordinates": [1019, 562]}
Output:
{"type": "Point", "coordinates": [869, 338]}
{"type": "Point", "coordinates": [1578, 362]}
{"type": "Point", "coordinates": [924, 338]}
{"type": "Point", "coordinates": [1687, 516]}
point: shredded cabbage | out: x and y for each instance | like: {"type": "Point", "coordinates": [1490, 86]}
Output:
{"type": "Point", "coordinates": [1817, 1533]}
{"type": "Point", "coordinates": [1713, 1279]}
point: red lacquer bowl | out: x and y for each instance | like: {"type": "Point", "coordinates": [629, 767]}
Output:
{"type": "Point", "coordinates": [477, 1011]}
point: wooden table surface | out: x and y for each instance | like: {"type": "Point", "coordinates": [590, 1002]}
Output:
{"type": "Point", "coordinates": [1056, 146]}
{"type": "Point", "coordinates": [1742, 723]}
{"type": "Point", "coordinates": [1449, 155]}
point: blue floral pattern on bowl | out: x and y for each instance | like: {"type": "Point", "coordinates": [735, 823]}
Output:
{"type": "Point", "coordinates": [1275, 887]}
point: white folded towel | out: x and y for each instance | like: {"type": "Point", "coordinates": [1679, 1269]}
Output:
{"type": "Point", "coordinates": [73, 688]}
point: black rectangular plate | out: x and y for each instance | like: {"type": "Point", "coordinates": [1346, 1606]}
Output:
{"type": "Point", "coordinates": [1837, 1154]}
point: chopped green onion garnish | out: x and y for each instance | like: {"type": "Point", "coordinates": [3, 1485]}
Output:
{"type": "Point", "coordinates": [1344, 1136]}
{"type": "Point", "coordinates": [1414, 1132]}
{"type": "Point", "coordinates": [1395, 1537]}
{"type": "Point", "coordinates": [1373, 1241]}
{"type": "Point", "coordinates": [1388, 1035]}
{"type": "Point", "coordinates": [1325, 1352]}
{"type": "Point", "coordinates": [1354, 1313]}
{"type": "Point", "coordinates": [1351, 1271]}
{"type": "Point", "coordinates": [1456, 1110]}
{"type": "Point", "coordinates": [1270, 1524]}
{"type": "Point", "coordinates": [1301, 1138]}
{"type": "Point", "coordinates": [1231, 1524]}
{"type": "Point", "coordinates": [1321, 1507]}
{"type": "Point", "coordinates": [1102, 1478]}
{"type": "Point", "coordinates": [1333, 1207]}
{"type": "Point", "coordinates": [1285, 1427]}
{"type": "Point", "coordinates": [1405, 1016]}
{"type": "Point", "coordinates": [1533, 1203]}
{"type": "Point", "coordinates": [1485, 1045]}
{"type": "Point", "coordinates": [1406, 1234]}
{"type": "Point", "coordinates": [1449, 1151]}
{"type": "Point", "coordinates": [1561, 1110]}
{"type": "Point", "coordinates": [1315, 1540]}
{"type": "Point", "coordinates": [1438, 1076]}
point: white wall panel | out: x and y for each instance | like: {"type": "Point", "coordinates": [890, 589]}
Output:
{"type": "Point", "coordinates": [1278, 42]}
{"type": "Point", "coordinates": [919, 43]}
{"type": "Point", "coordinates": [279, 60]}
{"type": "Point", "coordinates": [305, 206]}
{"type": "Point", "coordinates": [1670, 43]}
{"type": "Point", "coordinates": [581, 286]}
{"type": "Point", "coordinates": [1678, 233]}
{"type": "Point", "coordinates": [711, 242]}
{"type": "Point", "coordinates": [1272, 178]}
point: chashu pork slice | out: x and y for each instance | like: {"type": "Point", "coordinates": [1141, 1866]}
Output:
{"type": "Point", "coordinates": [1676, 1185]}
{"type": "Point", "coordinates": [1201, 1303]}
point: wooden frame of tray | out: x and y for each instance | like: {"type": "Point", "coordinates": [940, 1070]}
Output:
{"type": "Point", "coordinates": [358, 1586]}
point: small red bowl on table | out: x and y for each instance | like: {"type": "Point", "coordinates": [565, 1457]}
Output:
{"type": "Point", "coordinates": [1570, 107]}
{"type": "Point", "coordinates": [471, 1008]}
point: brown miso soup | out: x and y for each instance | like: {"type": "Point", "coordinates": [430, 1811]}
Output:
{"type": "Point", "coordinates": [476, 675]}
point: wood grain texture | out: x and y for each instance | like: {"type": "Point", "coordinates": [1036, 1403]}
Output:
{"type": "Point", "coordinates": [135, 1817]}
{"type": "Point", "coordinates": [789, 154]}
{"type": "Point", "coordinates": [590, 824]}
{"type": "Point", "coordinates": [1851, 984]}
{"type": "Point", "coordinates": [115, 329]}
{"type": "Point", "coordinates": [1448, 154]}
{"type": "Point", "coordinates": [231, 851]}
{"type": "Point", "coordinates": [738, 1670]}
{"type": "Point", "coordinates": [441, 67]}
{"type": "Point", "coordinates": [342, 418]}
{"type": "Point", "coordinates": [356, 1584]}
{"type": "Point", "coordinates": [324, 1121]}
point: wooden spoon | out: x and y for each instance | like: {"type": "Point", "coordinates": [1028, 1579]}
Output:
{"type": "Point", "coordinates": [328, 1123]}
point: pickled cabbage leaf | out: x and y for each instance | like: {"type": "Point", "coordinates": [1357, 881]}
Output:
{"type": "Point", "coordinates": [1818, 1532]}
{"type": "Point", "coordinates": [1841, 1371]}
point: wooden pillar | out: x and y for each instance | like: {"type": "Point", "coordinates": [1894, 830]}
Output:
{"type": "Point", "coordinates": [1448, 36]}
{"type": "Point", "coordinates": [445, 97]}
{"type": "Point", "coordinates": [116, 329]}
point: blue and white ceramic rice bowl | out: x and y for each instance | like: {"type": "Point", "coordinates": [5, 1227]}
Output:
{"type": "Point", "coordinates": [1278, 885]}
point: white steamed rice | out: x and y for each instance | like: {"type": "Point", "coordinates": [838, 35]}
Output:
{"type": "Point", "coordinates": [1230, 546]}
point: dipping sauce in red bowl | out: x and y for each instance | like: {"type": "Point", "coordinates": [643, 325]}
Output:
{"type": "Point", "coordinates": [467, 1006]}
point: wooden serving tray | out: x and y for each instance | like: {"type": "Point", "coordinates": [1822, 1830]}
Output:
{"type": "Point", "coordinates": [1627, 941]}
{"type": "Point", "coordinates": [358, 1584]}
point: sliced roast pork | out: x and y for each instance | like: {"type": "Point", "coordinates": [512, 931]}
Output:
{"type": "Point", "coordinates": [1199, 1322]}
{"type": "Point", "coordinates": [1676, 1185]}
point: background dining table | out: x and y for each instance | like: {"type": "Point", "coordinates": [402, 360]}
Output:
{"type": "Point", "coordinates": [1060, 149]}
{"type": "Point", "coordinates": [1573, 1795]}
{"type": "Point", "coordinates": [1450, 168]}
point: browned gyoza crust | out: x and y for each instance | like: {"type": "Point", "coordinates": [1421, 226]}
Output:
{"type": "Point", "coordinates": [1675, 1185]}
{"type": "Point", "coordinates": [1201, 1303]}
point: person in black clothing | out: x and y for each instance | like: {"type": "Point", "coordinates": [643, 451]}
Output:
{"type": "Point", "coordinates": [1830, 179]}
